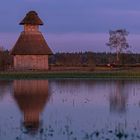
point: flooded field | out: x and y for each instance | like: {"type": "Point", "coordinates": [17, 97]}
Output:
{"type": "Point", "coordinates": [69, 110]}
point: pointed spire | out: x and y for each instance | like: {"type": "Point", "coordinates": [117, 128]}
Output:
{"type": "Point", "coordinates": [31, 18]}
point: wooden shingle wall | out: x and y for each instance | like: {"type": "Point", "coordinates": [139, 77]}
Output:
{"type": "Point", "coordinates": [31, 62]}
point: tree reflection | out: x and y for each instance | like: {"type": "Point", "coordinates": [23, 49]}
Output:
{"type": "Point", "coordinates": [31, 97]}
{"type": "Point", "coordinates": [5, 87]}
{"type": "Point", "coordinates": [118, 98]}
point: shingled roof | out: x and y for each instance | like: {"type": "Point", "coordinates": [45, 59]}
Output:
{"type": "Point", "coordinates": [31, 44]}
{"type": "Point", "coordinates": [31, 18]}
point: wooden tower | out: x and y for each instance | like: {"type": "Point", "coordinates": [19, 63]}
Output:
{"type": "Point", "coordinates": [31, 51]}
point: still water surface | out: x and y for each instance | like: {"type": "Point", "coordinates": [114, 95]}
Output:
{"type": "Point", "coordinates": [69, 110]}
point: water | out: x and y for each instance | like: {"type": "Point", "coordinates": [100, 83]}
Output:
{"type": "Point", "coordinates": [69, 110]}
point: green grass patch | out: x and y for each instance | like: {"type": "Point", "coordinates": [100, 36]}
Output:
{"type": "Point", "coordinates": [90, 75]}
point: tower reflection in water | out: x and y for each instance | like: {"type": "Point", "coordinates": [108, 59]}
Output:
{"type": "Point", "coordinates": [118, 98]}
{"type": "Point", "coordinates": [31, 97]}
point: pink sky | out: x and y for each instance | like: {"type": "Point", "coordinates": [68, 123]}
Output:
{"type": "Point", "coordinates": [70, 42]}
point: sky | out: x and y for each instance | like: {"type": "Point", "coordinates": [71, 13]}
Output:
{"type": "Point", "coordinates": [73, 25]}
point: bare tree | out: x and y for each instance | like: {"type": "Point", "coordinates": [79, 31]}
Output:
{"type": "Point", "coordinates": [117, 40]}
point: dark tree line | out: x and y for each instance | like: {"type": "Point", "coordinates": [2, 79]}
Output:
{"type": "Point", "coordinates": [72, 59]}
{"type": "Point", "coordinates": [6, 60]}
{"type": "Point", "coordinates": [82, 59]}
{"type": "Point", "coordinates": [91, 58]}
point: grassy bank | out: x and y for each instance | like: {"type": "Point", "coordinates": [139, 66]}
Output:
{"type": "Point", "coordinates": [92, 75]}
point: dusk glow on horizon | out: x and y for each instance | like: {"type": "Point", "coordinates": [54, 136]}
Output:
{"type": "Point", "coordinates": [73, 26]}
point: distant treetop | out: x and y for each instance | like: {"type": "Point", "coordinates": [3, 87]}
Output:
{"type": "Point", "coordinates": [118, 41]}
